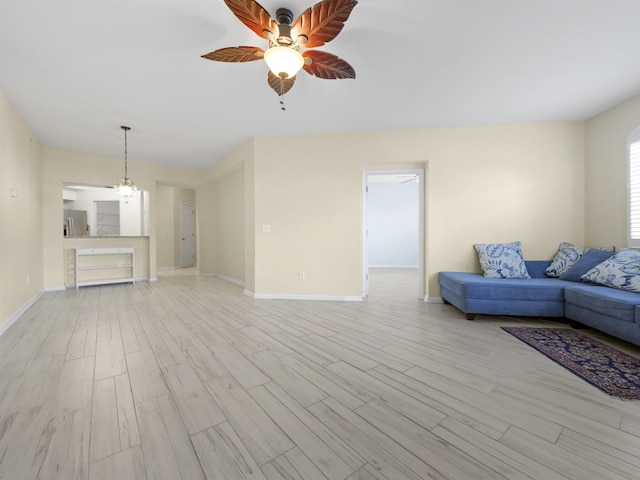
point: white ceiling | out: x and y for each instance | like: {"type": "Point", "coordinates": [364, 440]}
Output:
{"type": "Point", "coordinates": [77, 70]}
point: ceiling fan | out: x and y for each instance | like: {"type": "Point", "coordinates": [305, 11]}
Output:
{"type": "Point", "coordinates": [316, 26]}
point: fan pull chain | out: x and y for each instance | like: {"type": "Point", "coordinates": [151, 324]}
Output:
{"type": "Point", "coordinates": [282, 107]}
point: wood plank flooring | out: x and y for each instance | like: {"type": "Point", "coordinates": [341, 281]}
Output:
{"type": "Point", "coordinates": [187, 378]}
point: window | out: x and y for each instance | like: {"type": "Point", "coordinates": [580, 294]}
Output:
{"type": "Point", "coordinates": [633, 229]}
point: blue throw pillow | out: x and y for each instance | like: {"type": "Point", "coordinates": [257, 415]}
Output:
{"type": "Point", "coordinates": [621, 270]}
{"type": "Point", "coordinates": [589, 259]}
{"type": "Point", "coordinates": [567, 256]}
{"type": "Point", "coordinates": [502, 260]}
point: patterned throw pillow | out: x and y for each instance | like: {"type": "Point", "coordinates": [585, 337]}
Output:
{"type": "Point", "coordinates": [502, 260]}
{"type": "Point", "coordinates": [621, 270]}
{"type": "Point", "coordinates": [566, 256]}
{"type": "Point", "coordinates": [588, 260]}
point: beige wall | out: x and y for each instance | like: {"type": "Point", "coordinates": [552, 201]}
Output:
{"type": "Point", "coordinates": [606, 179]}
{"type": "Point", "coordinates": [228, 203]}
{"type": "Point", "coordinates": [205, 250]}
{"type": "Point", "coordinates": [250, 222]}
{"type": "Point", "coordinates": [222, 212]}
{"type": "Point", "coordinates": [20, 216]}
{"type": "Point", "coordinates": [79, 167]}
{"type": "Point", "coordinates": [165, 227]}
{"type": "Point", "coordinates": [483, 184]}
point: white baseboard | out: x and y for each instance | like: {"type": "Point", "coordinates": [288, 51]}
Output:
{"type": "Point", "coordinates": [59, 288]}
{"type": "Point", "coordinates": [393, 266]}
{"type": "Point", "coordinates": [18, 313]}
{"type": "Point", "coordinates": [72, 286]}
{"type": "Point", "coordinates": [433, 300]}
{"type": "Point", "coordinates": [235, 281]}
{"type": "Point", "coordinates": [293, 296]}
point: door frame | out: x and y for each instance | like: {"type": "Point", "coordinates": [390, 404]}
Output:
{"type": "Point", "coordinates": [421, 237]}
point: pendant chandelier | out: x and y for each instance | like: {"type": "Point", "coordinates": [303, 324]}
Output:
{"type": "Point", "coordinates": [126, 188]}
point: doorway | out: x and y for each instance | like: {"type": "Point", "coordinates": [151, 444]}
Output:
{"type": "Point", "coordinates": [393, 227]}
{"type": "Point", "coordinates": [187, 235]}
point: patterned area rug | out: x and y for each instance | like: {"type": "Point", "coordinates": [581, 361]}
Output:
{"type": "Point", "coordinates": [612, 371]}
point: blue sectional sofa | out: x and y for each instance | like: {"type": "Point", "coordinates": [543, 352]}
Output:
{"type": "Point", "coordinates": [616, 312]}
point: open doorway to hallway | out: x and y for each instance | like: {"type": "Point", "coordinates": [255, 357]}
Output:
{"type": "Point", "coordinates": [390, 283]}
{"type": "Point", "coordinates": [393, 238]}
{"type": "Point", "coordinates": [175, 227]}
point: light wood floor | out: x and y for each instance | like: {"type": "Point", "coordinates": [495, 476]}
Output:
{"type": "Point", "coordinates": [187, 378]}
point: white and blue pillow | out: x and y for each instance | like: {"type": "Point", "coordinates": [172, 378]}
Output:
{"type": "Point", "coordinates": [621, 270]}
{"type": "Point", "coordinates": [566, 256]}
{"type": "Point", "coordinates": [502, 260]}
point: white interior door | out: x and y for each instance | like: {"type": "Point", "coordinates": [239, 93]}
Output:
{"type": "Point", "coordinates": [187, 235]}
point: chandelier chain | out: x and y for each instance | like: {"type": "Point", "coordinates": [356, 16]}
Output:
{"type": "Point", "coordinates": [126, 129]}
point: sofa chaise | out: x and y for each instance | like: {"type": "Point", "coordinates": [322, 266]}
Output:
{"type": "Point", "coordinates": [611, 310]}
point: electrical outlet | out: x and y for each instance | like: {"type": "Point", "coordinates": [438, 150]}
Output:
{"type": "Point", "coordinates": [28, 279]}
{"type": "Point", "coordinates": [301, 276]}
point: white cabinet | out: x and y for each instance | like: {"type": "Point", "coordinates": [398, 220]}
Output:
{"type": "Point", "coordinates": [100, 266]}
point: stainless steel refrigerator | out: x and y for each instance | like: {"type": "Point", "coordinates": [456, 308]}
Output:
{"type": "Point", "coordinates": [75, 223]}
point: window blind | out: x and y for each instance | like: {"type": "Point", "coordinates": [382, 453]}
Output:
{"type": "Point", "coordinates": [634, 192]}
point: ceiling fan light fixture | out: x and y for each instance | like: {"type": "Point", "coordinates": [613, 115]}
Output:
{"type": "Point", "coordinates": [284, 62]}
{"type": "Point", "coordinates": [315, 26]}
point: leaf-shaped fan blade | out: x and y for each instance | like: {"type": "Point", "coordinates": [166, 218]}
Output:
{"type": "Point", "coordinates": [235, 54]}
{"type": "Point", "coordinates": [326, 65]}
{"type": "Point", "coordinates": [322, 22]}
{"type": "Point", "coordinates": [280, 85]}
{"type": "Point", "coordinates": [253, 15]}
